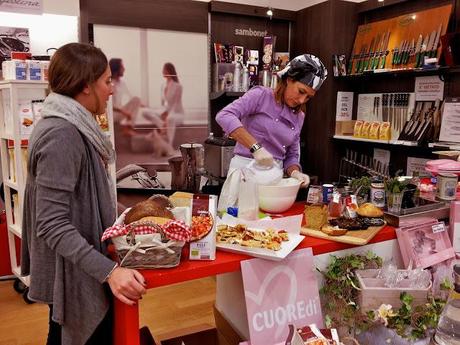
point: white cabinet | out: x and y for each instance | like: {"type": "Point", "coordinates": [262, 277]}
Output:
{"type": "Point", "coordinates": [20, 103]}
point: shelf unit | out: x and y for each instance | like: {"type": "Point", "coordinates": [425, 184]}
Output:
{"type": "Point", "coordinates": [14, 96]}
{"type": "Point", "coordinates": [375, 141]}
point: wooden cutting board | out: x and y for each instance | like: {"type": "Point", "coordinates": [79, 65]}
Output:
{"type": "Point", "coordinates": [356, 237]}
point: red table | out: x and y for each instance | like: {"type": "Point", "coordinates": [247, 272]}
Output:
{"type": "Point", "coordinates": [126, 318]}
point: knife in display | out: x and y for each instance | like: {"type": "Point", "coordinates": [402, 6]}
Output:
{"type": "Point", "coordinates": [402, 53]}
{"type": "Point", "coordinates": [378, 53]}
{"type": "Point", "coordinates": [366, 58]}
{"type": "Point", "coordinates": [419, 56]}
{"type": "Point", "coordinates": [384, 107]}
{"type": "Point", "coordinates": [361, 56]}
{"type": "Point", "coordinates": [434, 49]}
{"type": "Point", "coordinates": [430, 45]}
{"type": "Point", "coordinates": [352, 58]}
{"type": "Point", "coordinates": [397, 52]}
{"type": "Point", "coordinates": [418, 46]}
{"type": "Point", "coordinates": [374, 53]}
{"type": "Point", "coordinates": [408, 52]}
{"type": "Point", "coordinates": [385, 52]}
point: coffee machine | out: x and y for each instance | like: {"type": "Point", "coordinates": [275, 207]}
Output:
{"type": "Point", "coordinates": [218, 151]}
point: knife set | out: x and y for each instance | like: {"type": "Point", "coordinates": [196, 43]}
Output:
{"type": "Point", "coordinates": [424, 124]}
{"type": "Point", "coordinates": [356, 164]}
{"type": "Point", "coordinates": [403, 42]}
{"type": "Point", "coordinates": [395, 108]}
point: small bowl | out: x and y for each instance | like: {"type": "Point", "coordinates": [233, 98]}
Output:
{"type": "Point", "coordinates": [279, 197]}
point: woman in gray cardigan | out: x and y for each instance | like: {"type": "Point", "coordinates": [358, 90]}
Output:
{"type": "Point", "coordinates": [69, 201]}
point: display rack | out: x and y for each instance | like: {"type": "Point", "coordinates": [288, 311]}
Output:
{"type": "Point", "coordinates": [14, 134]}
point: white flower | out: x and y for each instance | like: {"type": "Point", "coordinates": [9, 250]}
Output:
{"type": "Point", "coordinates": [383, 313]}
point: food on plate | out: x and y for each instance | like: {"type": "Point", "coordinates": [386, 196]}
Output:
{"type": "Point", "coordinates": [369, 210]}
{"type": "Point", "coordinates": [332, 230]}
{"type": "Point", "coordinates": [241, 235]}
{"type": "Point", "coordinates": [201, 225]}
{"type": "Point", "coordinates": [349, 223]}
{"type": "Point", "coordinates": [153, 208]}
{"type": "Point", "coordinates": [316, 216]}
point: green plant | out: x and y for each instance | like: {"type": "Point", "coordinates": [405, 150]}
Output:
{"type": "Point", "coordinates": [395, 185]}
{"type": "Point", "coordinates": [413, 322]}
{"type": "Point", "coordinates": [340, 296]}
{"type": "Point", "coordinates": [361, 186]}
{"type": "Point", "coordinates": [340, 289]}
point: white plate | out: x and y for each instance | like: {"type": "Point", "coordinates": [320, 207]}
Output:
{"type": "Point", "coordinates": [286, 248]}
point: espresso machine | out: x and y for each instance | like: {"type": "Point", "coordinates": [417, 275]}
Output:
{"type": "Point", "coordinates": [218, 152]}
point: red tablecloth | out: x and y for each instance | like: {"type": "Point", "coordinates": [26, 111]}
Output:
{"type": "Point", "coordinates": [126, 318]}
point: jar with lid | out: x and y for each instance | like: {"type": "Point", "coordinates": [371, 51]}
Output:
{"type": "Point", "coordinates": [378, 192]}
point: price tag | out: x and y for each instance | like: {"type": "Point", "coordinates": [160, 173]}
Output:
{"type": "Point", "coordinates": [438, 228]}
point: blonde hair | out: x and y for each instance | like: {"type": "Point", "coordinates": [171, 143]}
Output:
{"type": "Point", "coordinates": [279, 95]}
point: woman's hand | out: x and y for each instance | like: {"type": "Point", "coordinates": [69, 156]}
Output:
{"type": "Point", "coordinates": [263, 157]}
{"type": "Point", "coordinates": [127, 285]}
{"type": "Point", "coordinates": [303, 178]}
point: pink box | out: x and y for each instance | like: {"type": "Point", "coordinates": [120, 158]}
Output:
{"type": "Point", "coordinates": [454, 228]}
{"type": "Point", "coordinates": [426, 243]}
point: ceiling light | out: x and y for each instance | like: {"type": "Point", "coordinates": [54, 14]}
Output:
{"type": "Point", "coordinates": [380, 0]}
{"type": "Point", "coordinates": [270, 12]}
{"type": "Point", "coordinates": [413, 17]}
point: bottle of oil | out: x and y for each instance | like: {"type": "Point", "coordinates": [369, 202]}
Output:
{"type": "Point", "coordinates": [448, 330]}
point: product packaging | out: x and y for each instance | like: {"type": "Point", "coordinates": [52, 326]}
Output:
{"type": "Point", "coordinates": [374, 130]}
{"type": "Point", "coordinates": [34, 70]}
{"type": "Point", "coordinates": [357, 128]}
{"type": "Point", "coordinates": [26, 117]}
{"type": "Point", "coordinates": [365, 130]}
{"type": "Point", "coordinates": [385, 131]}
{"type": "Point", "coordinates": [204, 212]}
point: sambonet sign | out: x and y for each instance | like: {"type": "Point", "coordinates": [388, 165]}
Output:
{"type": "Point", "coordinates": [250, 32]}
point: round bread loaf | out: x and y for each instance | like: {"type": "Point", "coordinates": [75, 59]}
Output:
{"type": "Point", "coordinates": [145, 209]}
{"type": "Point", "coordinates": [369, 210]}
{"type": "Point", "coordinates": [161, 200]}
{"type": "Point", "coordinates": [156, 220]}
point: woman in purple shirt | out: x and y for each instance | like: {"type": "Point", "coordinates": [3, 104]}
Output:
{"type": "Point", "coordinates": [266, 124]}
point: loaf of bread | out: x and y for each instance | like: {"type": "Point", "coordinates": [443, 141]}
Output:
{"type": "Point", "coordinates": [181, 199]}
{"type": "Point", "coordinates": [333, 230]}
{"type": "Point", "coordinates": [145, 209]}
{"type": "Point", "coordinates": [369, 210]}
{"type": "Point", "coordinates": [156, 220]}
{"type": "Point", "coordinates": [316, 216]}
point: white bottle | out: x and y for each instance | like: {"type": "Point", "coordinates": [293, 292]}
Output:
{"type": "Point", "coordinates": [245, 82]}
{"type": "Point", "coordinates": [237, 78]}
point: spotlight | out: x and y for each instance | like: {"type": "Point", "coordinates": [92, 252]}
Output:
{"type": "Point", "coordinates": [270, 12]}
{"type": "Point", "coordinates": [413, 17]}
{"type": "Point", "coordinates": [380, 0]}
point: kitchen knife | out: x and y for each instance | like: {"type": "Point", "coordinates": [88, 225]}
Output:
{"type": "Point", "coordinates": [390, 106]}
{"type": "Point", "coordinates": [374, 53]}
{"type": "Point", "coordinates": [352, 59]}
{"type": "Point", "coordinates": [396, 51]}
{"type": "Point", "coordinates": [408, 52]}
{"type": "Point", "coordinates": [419, 56]}
{"type": "Point", "coordinates": [385, 51]}
{"type": "Point", "coordinates": [402, 52]}
{"type": "Point", "coordinates": [378, 52]}
{"type": "Point", "coordinates": [366, 59]}
{"type": "Point", "coordinates": [361, 55]}
{"type": "Point", "coordinates": [384, 107]}
{"type": "Point", "coordinates": [434, 49]}
{"type": "Point", "coordinates": [430, 45]}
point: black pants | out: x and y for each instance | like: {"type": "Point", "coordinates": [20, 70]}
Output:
{"type": "Point", "coordinates": [101, 336]}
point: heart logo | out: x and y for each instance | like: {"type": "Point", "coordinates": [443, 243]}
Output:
{"type": "Point", "coordinates": [272, 274]}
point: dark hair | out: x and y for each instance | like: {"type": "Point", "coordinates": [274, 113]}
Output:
{"type": "Point", "coordinates": [74, 66]}
{"type": "Point", "coordinates": [170, 70]}
{"type": "Point", "coordinates": [279, 94]}
{"type": "Point", "coordinates": [115, 67]}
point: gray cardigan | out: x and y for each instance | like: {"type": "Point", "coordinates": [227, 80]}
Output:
{"type": "Point", "coordinates": [67, 206]}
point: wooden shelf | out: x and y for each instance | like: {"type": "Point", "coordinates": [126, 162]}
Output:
{"type": "Point", "coordinates": [375, 141]}
{"type": "Point", "coordinates": [445, 145]}
{"type": "Point", "coordinates": [19, 82]}
{"type": "Point", "coordinates": [418, 72]}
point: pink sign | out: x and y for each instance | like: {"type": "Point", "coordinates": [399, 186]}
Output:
{"type": "Point", "coordinates": [278, 294]}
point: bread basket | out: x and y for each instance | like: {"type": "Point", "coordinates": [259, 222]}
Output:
{"type": "Point", "coordinates": [144, 244]}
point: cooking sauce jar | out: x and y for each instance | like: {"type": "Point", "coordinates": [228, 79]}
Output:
{"type": "Point", "coordinates": [378, 193]}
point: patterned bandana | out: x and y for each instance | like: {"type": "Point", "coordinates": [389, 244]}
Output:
{"type": "Point", "coordinates": [307, 69]}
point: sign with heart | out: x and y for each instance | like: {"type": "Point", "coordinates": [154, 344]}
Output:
{"type": "Point", "coordinates": [280, 293]}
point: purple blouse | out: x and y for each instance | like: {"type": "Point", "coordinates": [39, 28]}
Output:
{"type": "Point", "coordinates": [276, 127]}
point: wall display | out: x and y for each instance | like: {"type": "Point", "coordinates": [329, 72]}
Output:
{"type": "Point", "coordinates": [400, 42]}
{"type": "Point", "coordinates": [450, 124]}
{"type": "Point", "coordinates": [13, 40]}
{"type": "Point", "coordinates": [161, 95]}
